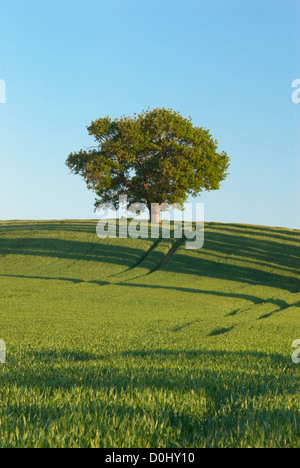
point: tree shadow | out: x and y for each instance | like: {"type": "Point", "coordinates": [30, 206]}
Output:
{"type": "Point", "coordinates": [56, 278]}
{"type": "Point", "coordinates": [184, 325]}
{"type": "Point", "coordinates": [49, 356]}
{"type": "Point", "coordinates": [218, 380]}
{"type": "Point", "coordinates": [226, 255]}
{"type": "Point", "coordinates": [255, 300]}
{"type": "Point", "coordinates": [88, 226]}
{"type": "Point", "coordinates": [297, 304]}
{"type": "Point", "coordinates": [292, 235]}
{"type": "Point", "coordinates": [71, 250]}
{"type": "Point", "coordinates": [262, 257]}
{"type": "Point", "coordinates": [221, 331]}
{"type": "Point", "coordinates": [144, 376]}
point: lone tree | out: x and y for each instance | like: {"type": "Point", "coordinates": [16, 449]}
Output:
{"type": "Point", "coordinates": [154, 157]}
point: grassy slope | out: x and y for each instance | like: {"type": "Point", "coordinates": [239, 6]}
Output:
{"type": "Point", "coordinates": [102, 353]}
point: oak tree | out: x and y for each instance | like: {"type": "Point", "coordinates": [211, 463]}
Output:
{"type": "Point", "coordinates": [157, 156]}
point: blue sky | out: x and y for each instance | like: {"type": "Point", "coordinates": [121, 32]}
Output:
{"type": "Point", "coordinates": [229, 64]}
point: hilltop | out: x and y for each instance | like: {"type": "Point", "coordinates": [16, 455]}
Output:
{"type": "Point", "coordinates": [142, 343]}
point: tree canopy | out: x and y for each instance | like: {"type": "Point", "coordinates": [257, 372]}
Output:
{"type": "Point", "coordinates": [157, 156]}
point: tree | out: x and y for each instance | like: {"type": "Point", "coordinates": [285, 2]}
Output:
{"type": "Point", "coordinates": [154, 157]}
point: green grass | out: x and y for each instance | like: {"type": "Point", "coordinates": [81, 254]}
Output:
{"type": "Point", "coordinates": [109, 346]}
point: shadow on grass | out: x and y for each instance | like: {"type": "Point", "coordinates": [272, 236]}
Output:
{"type": "Point", "coordinates": [292, 235]}
{"type": "Point", "coordinates": [88, 226]}
{"type": "Point", "coordinates": [71, 250]}
{"type": "Point", "coordinates": [218, 384]}
{"type": "Point", "coordinates": [253, 261]}
{"type": "Point", "coordinates": [49, 356]}
{"type": "Point", "coordinates": [287, 306]}
{"type": "Point", "coordinates": [56, 278]}
{"type": "Point", "coordinates": [185, 325]}
{"type": "Point", "coordinates": [143, 376]}
{"type": "Point", "coordinates": [255, 300]}
{"type": "Point", "coordinates": [221, 331]}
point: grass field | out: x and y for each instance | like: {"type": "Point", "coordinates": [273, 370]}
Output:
{"type": "Point", "coordinates": [108, 345]}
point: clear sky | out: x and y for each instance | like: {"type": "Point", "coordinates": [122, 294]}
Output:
{"type": "Point", "coordinates": [229, 64]}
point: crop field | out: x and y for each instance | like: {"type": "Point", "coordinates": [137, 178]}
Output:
{"type": "Point", "coordinates": [143, 343]}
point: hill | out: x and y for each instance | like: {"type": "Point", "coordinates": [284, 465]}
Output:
{"type": "Point", "coordinates": [142, 343]}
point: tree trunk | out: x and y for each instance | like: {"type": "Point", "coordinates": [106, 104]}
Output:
{"type": "Point", "coordinates": [155, 213]}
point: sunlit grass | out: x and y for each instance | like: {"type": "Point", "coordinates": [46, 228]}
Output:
{"type": "Point", "coordinates": [106, 350]}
